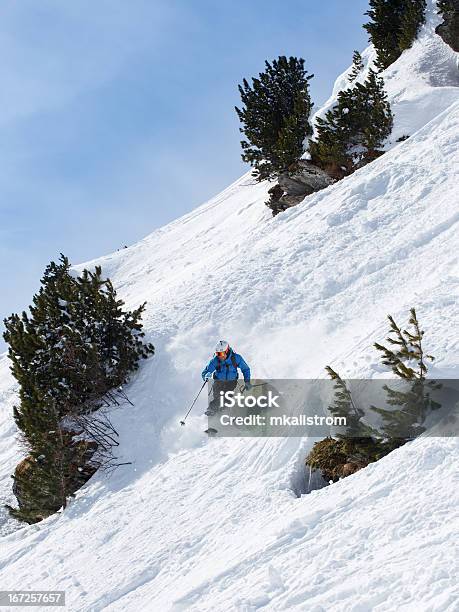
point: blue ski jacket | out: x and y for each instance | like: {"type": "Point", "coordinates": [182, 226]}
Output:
{"type": "Point", "coordinates": [227, 370]}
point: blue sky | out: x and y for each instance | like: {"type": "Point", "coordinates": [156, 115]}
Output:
{"type": "Point", "coordinates": [118, 116]}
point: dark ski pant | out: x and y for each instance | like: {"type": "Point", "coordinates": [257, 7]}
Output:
{"type": "Point", "coordinates": [214, 392]}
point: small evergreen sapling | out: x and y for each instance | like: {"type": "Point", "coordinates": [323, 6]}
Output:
{"type": "Point", "coordinates": [344, 406]}
{"type": "Point", "coordinates": [361, 444]}
{"type": "Point", "coordinates": [407, 359]}
{"type": "Point", "coordinates": [357, 66]}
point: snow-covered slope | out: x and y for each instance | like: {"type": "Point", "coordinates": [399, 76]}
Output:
{"type": "Point", "coordinates": [198, 524]}
{"type": "Point", "coordinates": [420, 85]}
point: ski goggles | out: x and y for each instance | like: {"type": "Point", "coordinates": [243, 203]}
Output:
{"type": "Point", "coordinates": [221, 354]}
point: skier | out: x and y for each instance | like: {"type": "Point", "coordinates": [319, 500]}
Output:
{"type": "Point", "coordinates": [223, 367]}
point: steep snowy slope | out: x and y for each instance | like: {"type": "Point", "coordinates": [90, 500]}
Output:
{"type": "Point", "coordinates": [199, 525]}
{"type": "Point", "coordinates": [425, 78]}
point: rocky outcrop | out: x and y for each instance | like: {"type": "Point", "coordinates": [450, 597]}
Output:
{"type": "Point", "coordinates": [449, 29]}
{"type": "Point", "coordinates": [293, 186]}
{"type": "Point", "coordinates": [306, 179]}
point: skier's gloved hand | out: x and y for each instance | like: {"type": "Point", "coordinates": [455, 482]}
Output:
{"type": "Point", "coordinates": [247, 385]}
{"type": "Point", "coordinates": [206, 376]}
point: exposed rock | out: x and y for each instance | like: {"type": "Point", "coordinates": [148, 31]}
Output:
{"type": "Point", "coordinates": [293, 186]}
{"type": "Point", "coordinates": [275, 194]}
{"type": "Point", "coordinates": [449, 29]}
{"type": "Point", "coordinates": [304, 180]}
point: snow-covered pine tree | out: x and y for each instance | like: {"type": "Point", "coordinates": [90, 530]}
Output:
{"type": "Point", "coordinates": [76, 345]}
{"type": "Point", "coordinates": [357, 66]}
{"type": "Point", "coordinates": [117, 334]}
{"type": "Point", "coordinates": [54, 469]}
{"type": "Point", "coordinates": [275, 117]}
{"type": "Point", "coordinates": [39, 346]}
{"type": "Point", "coordinates": [393, 27]}
{"type": "Point", "coordinates": [375, 121]}
{"type": "Point", "coordinates": [352, 132]}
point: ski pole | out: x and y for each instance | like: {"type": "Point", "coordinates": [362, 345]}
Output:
{"type": "Point", "coordinates": [194, 402]}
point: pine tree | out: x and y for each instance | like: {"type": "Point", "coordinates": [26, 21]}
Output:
{"type": "Point", "coordinates": [351, 133]}
{"type": "Point", "coordinates": [361, 443]}
{"type": "Point", "coordinates": [383, 29]}
{"type": "Point", "coordinates": [357, 66]}
{"type": "Point", "coordinates": [409, 348]}
{"type": "Point", "coordinates": [446, 7]}
{"type": "Point", "coordinates": [117, 334]}
{"type": "Point", "coordinates": [344, 406]}
{"type": "Point", "coordinates": [45, 486]}
{"type": "Point", "coordinates": [412, 19]}
{"type": "Point", "coordinates": [375, 121]}
{"type": "Point", "coordinates": [414, 399]}
{"type": "Point", "coordinates": [53, 471]}
{"type": "Point", "coordinates": [275, 117]}
{"type": "Point", "coordinates": [74, 347]}
{"type": "Point", "coordinates": [393, 27]}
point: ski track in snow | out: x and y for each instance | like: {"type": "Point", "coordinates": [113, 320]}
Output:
{"type": "Point", "coordinates": [196, 524]}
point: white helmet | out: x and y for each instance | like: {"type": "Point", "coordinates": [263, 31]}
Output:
{"type": "Point", "coordinates": [222, 347]}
